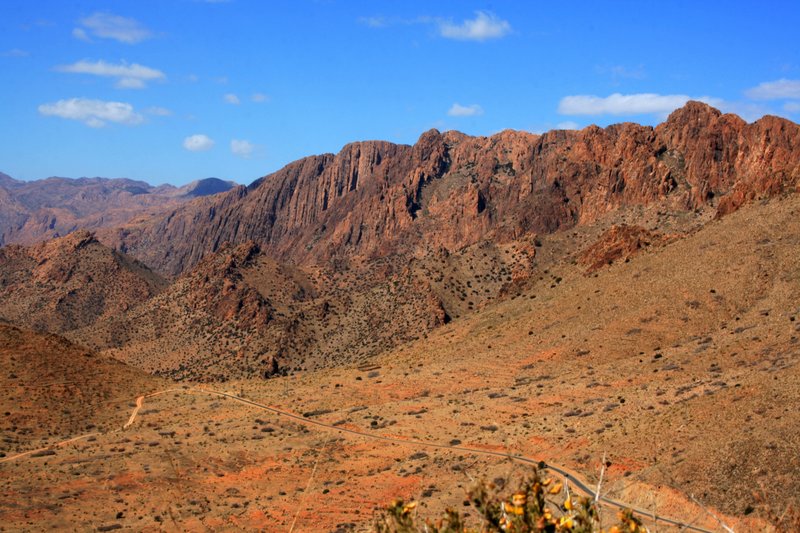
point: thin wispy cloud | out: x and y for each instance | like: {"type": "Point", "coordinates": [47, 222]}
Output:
{"type": "Point", "coordinates": [198, 143]}
{"type": "Point", "coordinates": [81, 35]}
{"type": "Point", "coordinates": [775, 90]}
{"type": "Point", "coordinates": [627, 104]}
{"type": "Point", "coordinates": [158, 111]}
{"type": "Point", "coordinates": [792, 107]}
{"type": "Point", "coordinates": [107, 26]}
{"type": "Point", "coordinates": [231, 98]}
{"type": "Point", "coordinates": [15, 52]}
{"type": "Point", "coordinates": [380, 21]}
{"type": "Point", "coordinates": [133, 76]}
{"type": "Point", "coordinates": [458, 110]}
{"type": "Point", "coordinates": [259, 98]}
{"type": "Point", "coordinates": [93, 113]}
{"type": "Point", "coordinates": [483, 27]}
{"type": "Point", "coordinates": [373, 22]}
{"type": "Point", "coordinates": [620, 72]}
{"type": "Point", "coordinates": [242, 148]}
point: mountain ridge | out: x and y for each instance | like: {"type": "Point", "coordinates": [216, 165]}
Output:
{"type": "Point", "coordinates": [451, 190]}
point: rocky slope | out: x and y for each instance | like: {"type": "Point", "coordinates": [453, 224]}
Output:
{"type": "Point", "coordinates": [239, 313]}
{"type": "Point", "coordinates": [43, 209]}
{"type": "Point", "coordinates": [53, 389]}
{"type": "Point", "coordinates": [449, 190]}
{"type": "Point", "coordinates": [70, 282]}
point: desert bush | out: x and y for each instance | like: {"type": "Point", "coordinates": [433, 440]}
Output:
{"type": "Point", "coordinates": [539, 505]}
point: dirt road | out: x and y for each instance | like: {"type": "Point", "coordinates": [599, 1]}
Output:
{"type": "Point", "coordinates": [575, 481]}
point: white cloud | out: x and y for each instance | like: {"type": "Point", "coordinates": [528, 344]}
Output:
{"type": "Point", "coordinates": [259, 98]}
{"type": "Point", "coordinates": [15, 52]}
{"type": "Point", "coordinates": [458, 110]}
{"type": "Point", "coordinates": [568, 125]}
{"type": "Point", "coordinates": [484, 26]}
{"type": "Point", "coordinates": [775, 90]}
{"type": "Point", "coordinates": [617, 72]}
{"type": "Point", "coordinates": [158, 111]}
{"type": "Point", "coordinates": [133, 76]}
{"type": "Point", "coordinates": [81, 35]}
{"type": "Point", "coordinates": [198, 143]}
{"type": "Point", "coordinates": [130, 83]}
{"type": "Point", "coordinates": [232, 99]}
{"type": "Point", "coordinates": [242, 148]}
{"type": "Point", "coordinates": [373, 22]}
{"type": "Point", "coordinates": [627, 104]}
{"type": "Point", "coordinates": [94, 113]}
{"type": "Point", "coordinates": [108, 26]}
{"type": "Point", "coordinates": [792, 107]}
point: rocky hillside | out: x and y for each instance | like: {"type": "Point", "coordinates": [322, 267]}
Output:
{"type": "Point", "coordinates": [450, 190]}
{"type": "Point", "coordinates": [70, 282]}
{"type": "Point", "coordinates": [38, 210]}
{"type": "Point", "coordinates": [239, 313]}
{"type": "Point", "coordinates": [52, 388]}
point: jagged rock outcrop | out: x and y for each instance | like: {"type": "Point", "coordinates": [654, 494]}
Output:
{"type": "Point", "coordinates": [619, 243]}
{"type": "Point", "coordinates": [452, 190]}
{"type": "Point", "coordinates": [216, 285]}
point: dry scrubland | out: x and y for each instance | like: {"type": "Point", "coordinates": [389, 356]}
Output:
{"type": "Point", "coordinates": [679, 364]}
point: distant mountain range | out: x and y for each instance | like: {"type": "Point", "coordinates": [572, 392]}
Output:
{"type": "Point", "coordinates": [31, 211]}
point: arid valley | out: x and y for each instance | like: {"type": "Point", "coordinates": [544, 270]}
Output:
{"type": "Point", "coordinates": [502, 268]}
{"type": "Point", "coordinates": [655, 329]}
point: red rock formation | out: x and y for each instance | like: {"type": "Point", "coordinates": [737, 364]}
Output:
{"type": "Point", "coordinates": [451, 190]}
{"type": "Point", "coordinates": [217, 286]}
{"type": "Point", "coordinates": [619, 243]}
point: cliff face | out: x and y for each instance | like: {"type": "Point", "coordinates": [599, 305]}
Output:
{"type": "Point", "coordinates": [450, 190]}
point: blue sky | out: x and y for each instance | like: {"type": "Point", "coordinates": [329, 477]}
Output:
{"type": "Point", "coordinates": [169, 91]}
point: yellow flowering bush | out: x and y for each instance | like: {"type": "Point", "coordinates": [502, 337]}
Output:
{"type": "Point", "coordinates": [540, 505]}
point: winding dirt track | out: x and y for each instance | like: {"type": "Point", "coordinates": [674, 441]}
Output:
{"type": "Point", "coordinates": [569, 475]}
{"type": "Point", "coordinates": [140, 402]}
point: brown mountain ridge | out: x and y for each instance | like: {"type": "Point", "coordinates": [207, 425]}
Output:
{"type": "Point", "coordinates": [450, 190]}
